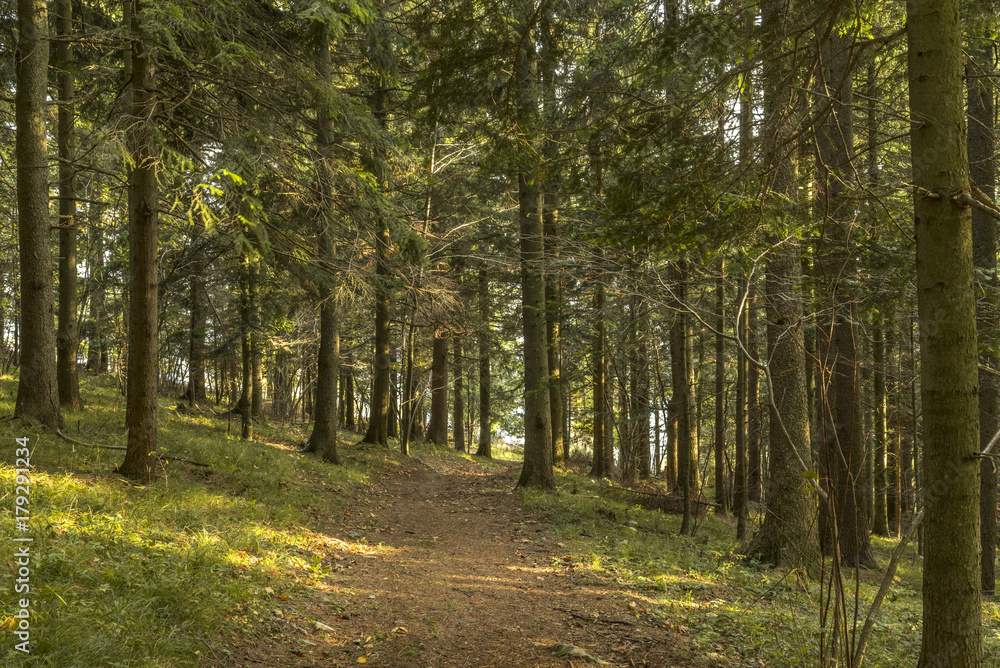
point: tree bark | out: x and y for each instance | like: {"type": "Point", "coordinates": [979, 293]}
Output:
{"type": "Point", "coordinates": [840, 409]}
{"type": "Point", "coordinates": [143, 237]}
{"type": "Point", "coordinates": [720, 395]}
{"type": "Point", "coordinates": [67, 337]}
{"type": "Point", "coordinates": [952, 622]}
{"type": "Point", "coordinates": [597, 469]}
{"type": "Point", "coordinates": [37, 388]}
{"type": "Point", "coordinates": [97, 351]}
{"type": "Point", "coordinates": [437, 429]}
{"type": "Point", "coordinates": [755, 411]}
{"type": "Point", "coordinates": [378, 423]}
{"type": "Point", "coordinates": [196, 391]}
{"type": "Point", "coordinates": [246, 353]}
{"type": "Point", "coordinates": [880, 517]}
{"type": "Point", "coordinates": [740, 473]}
{"type": "Point", "coordinates": [537, 468]}
{"type": "Point", "coordinates": [784, 536]}
{"type": "Point", "coordinates": [553, 324]}
{"type": "Point", "coordinates": [982, 172]}
{"type": "Point", "coordinates": [485, 446]}
{"type": "Point", "coordinates": [458, 420]}
{"type": "Point", "coordinates": [323, 439]}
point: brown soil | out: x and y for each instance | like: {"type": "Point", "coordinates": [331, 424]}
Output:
{"type": "Point", "coordinates": [439, 565]}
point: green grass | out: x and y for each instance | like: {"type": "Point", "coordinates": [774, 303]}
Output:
{"type": "Point", "coordinates": [133, 575]}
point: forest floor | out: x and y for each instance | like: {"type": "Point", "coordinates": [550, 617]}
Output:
{"type": "Point", "coordinates": [445, 568]}
{"type": "Point", "coordinates": [251, 554]}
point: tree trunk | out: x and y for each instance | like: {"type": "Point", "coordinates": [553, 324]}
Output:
{"type": "Point", "coordinates": [97, 349]}
{"type": "Point", "coordinates": [246, 354]}
{"type": "Point", "coordinates": [597, 469]}
{"type": "Point", "coordinates": [537, 468]}
{"type": "Point", "coordinates": [256, 354]}
{"type": "Point", "coordinates": [982, 172]}
{"type": "Point", "coordinates": [784, 536]}
{"type": "Point", "coordinates": [755, 412]}
{"type": "Point", "coordinates": [740, 478]}
{"type": "Point", "coordinates": [458, 420]}
{"type": "Point", "coordinates": [840, 409]}
{"type": "Point", "coordinates": [393, 418]}
{"type": "Point", "coordinates": [196, 359]}
{"type": "Point", "coordinates": [437, 430]}
{"type": "Point", "coordinates": [485, 446]}
{"type": "Point", "coordinates": [952, 628]}
{"type": "Point", "coordinates": [67, 338]}
{"type": "Point", "coordinates": [378, 422]}
{"type": "Point", "coordinates": [682, 362]}
{"type": "Point", "coordinates": [143, 238]}
{"type": "Point", "coordinates": [37, 388]}
{"type": "Point", "coordinates": [720, 395]}
{"type": "Point", "coordinates": [671, 468]}
{"type": "Point", "coordinates": [323, 439]}
{"type": "Point", "coordinates": [349, 403]}
{"type": "Point", "coordinates": [553, 323]}
{"type": "Point", "coordinates": [880, 518]}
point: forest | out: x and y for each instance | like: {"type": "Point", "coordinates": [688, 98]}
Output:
{"type": "Point", "coordinates": [293, 293]}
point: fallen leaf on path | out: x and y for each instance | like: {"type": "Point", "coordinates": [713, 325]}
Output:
{"type": "Point", "coordinates": [401, 630]}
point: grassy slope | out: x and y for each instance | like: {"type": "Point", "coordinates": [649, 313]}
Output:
{"type": "Point", "coordinates": [162, 575]}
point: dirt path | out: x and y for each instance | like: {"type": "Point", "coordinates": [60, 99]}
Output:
{"type": "Point", "coordinates": [440, 566]}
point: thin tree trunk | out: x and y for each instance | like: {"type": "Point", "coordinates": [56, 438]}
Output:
{"type": "Point", "coordinates": [740, 466]}
{"type": "Point", "coordinates": [755, 412]}
{"type": "Point", "coordinates": [96, 347]}
{"type": "Point", "coordinates": [437, 430]}
{"type": "Point", "coordinates": [196, 359]}
{"type": "Point", "coordinates": [485, 446]}
{"type": "Point", "coordinates": [720, 396]}
{"type": "Point", "coordinates": [246, 357]}
{"type": "Point", "coordinates": [349, 403]}
{"type": "Point", "coordinates": [553, 317]}
{"type": "Point", "coordinates": [881, 513]}
{"type": "Point", "coordinates": [256, 354]}
{"type": "Point", "coordinates": [597, 469]}
{"type": "Point", "coordinates": [67, 338]}
{"type": "Point", "coordinates": [982, 172]}
{"type": "Point", "coordinates": [458, 420]}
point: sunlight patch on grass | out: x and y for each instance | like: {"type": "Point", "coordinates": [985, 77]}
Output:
{"type": "Point", "coordinates": [129, 575]}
